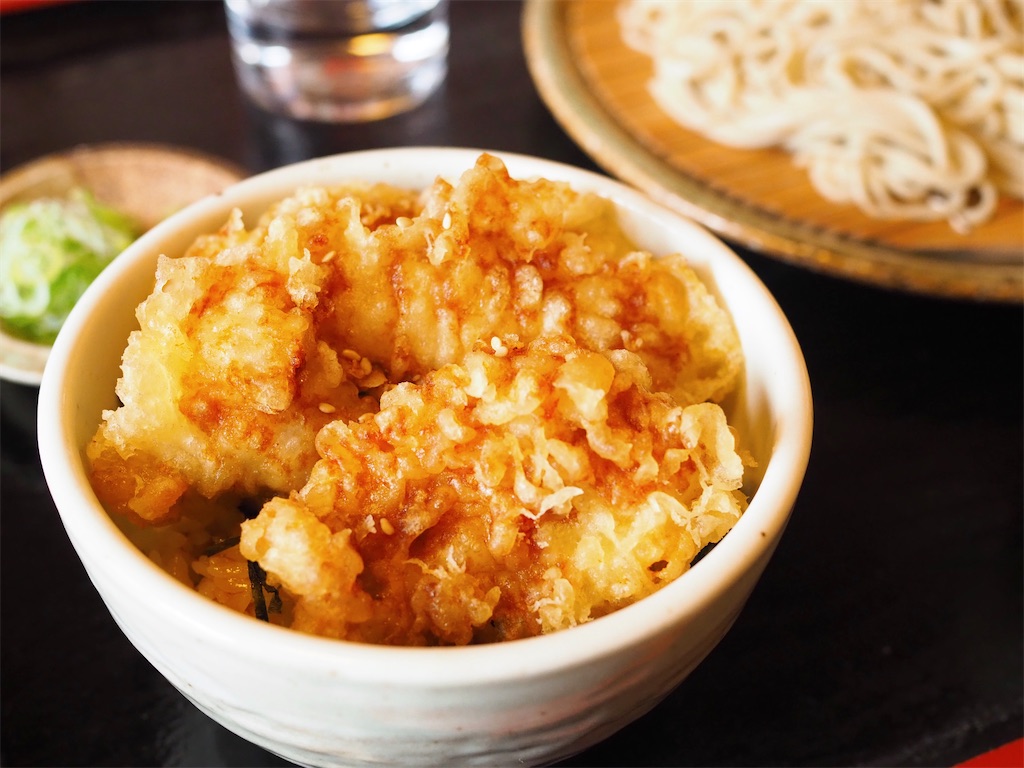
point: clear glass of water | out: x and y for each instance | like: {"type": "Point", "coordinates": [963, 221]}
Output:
{"type": "Point", "coordinates": [338, 60]}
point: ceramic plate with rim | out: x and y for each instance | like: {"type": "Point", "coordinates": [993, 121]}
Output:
{"type": "Point", "coordinates": [596, 88]}
{"type": "Point", "coordinates": [148, 182]}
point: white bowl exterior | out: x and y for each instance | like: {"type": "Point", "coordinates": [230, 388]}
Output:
{"type": "Point", "coordinates": [326, 703]}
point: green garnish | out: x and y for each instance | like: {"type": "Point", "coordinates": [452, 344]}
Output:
{"type": "Point", "coordinates": [51, 249]}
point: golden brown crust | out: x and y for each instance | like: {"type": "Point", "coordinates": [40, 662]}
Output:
{"type": "Point", "coordinates": [479, 412]}
{"type": "Point", "coordinates": [521, 491]}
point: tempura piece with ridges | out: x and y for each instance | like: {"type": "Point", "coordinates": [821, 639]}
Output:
{"type": "Point", "coordinates": [253, 340]}
{"type": "Point", "coordinates": [527, 489]}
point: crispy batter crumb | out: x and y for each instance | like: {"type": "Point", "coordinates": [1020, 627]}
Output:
{"type": "Point", "coordinates": [467, 414]}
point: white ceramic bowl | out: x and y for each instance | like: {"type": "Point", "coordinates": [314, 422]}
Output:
{"type": "Point", "coordinates": [322, 702]}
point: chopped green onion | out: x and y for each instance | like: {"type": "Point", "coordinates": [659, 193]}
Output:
{"type": "Point", "coordinates": [51, 249]}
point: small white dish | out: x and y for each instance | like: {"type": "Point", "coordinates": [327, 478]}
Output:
{"type": "Point", "coordinates": [22, 361]}
{"type": "Point", "coordinates": [149, 182]}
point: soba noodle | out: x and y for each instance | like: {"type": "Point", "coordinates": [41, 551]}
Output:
{"type": "Point", "coordinates": [908, 109]}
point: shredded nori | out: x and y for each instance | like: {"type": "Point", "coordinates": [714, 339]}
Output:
{"type": "Point", "coordinates": [703, 553]}
{"type": "Point", "coordinates": [250, 507]}
{"type": "Point", "coordinates": [219, 546]}
{"type": "Point", "coordinates": [258, 583]}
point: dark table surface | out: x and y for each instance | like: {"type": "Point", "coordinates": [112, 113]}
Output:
{"type": "Point", "coordinates": [886, 631]}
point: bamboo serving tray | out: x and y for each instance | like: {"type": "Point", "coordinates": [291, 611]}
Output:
{"type": "Point", "coordinates": [596, 87]}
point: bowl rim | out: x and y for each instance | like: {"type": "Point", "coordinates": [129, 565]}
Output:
{"type": "Point", "coordinates": [441, 667]}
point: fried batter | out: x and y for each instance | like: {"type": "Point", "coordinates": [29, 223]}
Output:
{"type": "Point", "coordinates": [499, 498]}
{"type": "Point", "coordinates": [478, 411]}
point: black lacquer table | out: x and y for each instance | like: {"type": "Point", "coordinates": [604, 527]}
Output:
{"type": "Point", "coordinates": [887, 630]}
